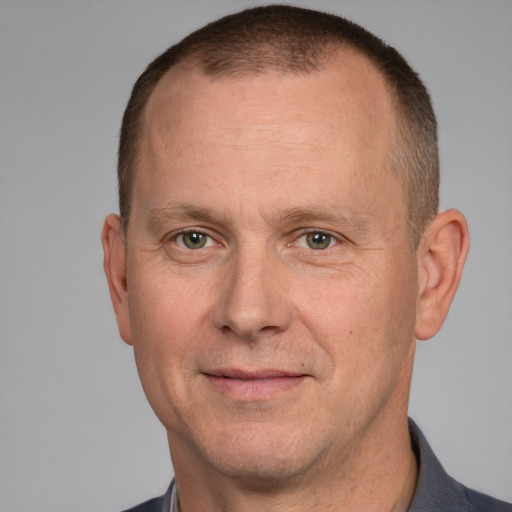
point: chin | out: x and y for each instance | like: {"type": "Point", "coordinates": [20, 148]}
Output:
{"type": "Point", "coordinates": [265, 472]}
{"type": "Point", "coordinates": [260, 459]}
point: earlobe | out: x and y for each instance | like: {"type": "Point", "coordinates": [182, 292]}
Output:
{"type": "Point", "coordinates": [441, 258]}
{"type": "Point", "coordinates": [114, 264]}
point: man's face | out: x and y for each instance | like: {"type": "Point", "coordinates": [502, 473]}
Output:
{"type": "Point", "coordinates": [271, 286]}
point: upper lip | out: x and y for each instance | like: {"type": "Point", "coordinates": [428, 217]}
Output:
{"type": "Point", "coordinates": [231, 373]}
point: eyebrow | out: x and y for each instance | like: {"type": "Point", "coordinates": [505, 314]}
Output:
{"type": "Point", "coordinates": [158, 218]}
{"type": "Point", "coordinates": [335, 215]}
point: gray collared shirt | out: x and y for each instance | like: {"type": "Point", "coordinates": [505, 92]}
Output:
{"type": "Point", "coordinates": [436, 491]}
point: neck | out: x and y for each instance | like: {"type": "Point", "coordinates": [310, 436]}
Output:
{"type": "Point", "coordinates": [407, 493]}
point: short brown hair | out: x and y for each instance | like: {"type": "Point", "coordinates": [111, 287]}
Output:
{"type": "Point", "coordinates": [289, 39]}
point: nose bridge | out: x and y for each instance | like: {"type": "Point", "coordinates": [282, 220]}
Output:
{"type": "Point", "coordinates": [253, 299]}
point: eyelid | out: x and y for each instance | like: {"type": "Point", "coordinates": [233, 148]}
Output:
{"type": "Point", "coordinates": [173, 236]}
{"type": "Point", "coordinates": [335, 237]}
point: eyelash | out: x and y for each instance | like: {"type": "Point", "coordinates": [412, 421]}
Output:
{"type": "Point", "coordinates": [180, 234]}
{"type": "Point", "coordinates": [333, 240]}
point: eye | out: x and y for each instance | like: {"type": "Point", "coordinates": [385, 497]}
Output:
{"type": "Point", "coordinates": [316, 240]}
{"type": "Point", "coordinates": [193, 240]}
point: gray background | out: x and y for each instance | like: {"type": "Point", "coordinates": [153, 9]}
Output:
{"type": "Point", "coordinates": [76, 433]}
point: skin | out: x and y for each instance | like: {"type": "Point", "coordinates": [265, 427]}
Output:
{"type": "Point", "coordinates": [281, 372]}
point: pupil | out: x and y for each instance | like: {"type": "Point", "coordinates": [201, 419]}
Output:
{"type": "Point", "coordinates": [194, 240]}
{"type": "Point", "coordinates": [318, 240]}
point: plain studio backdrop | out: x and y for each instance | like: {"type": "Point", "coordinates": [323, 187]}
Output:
{"type": "Point", "coordinates": [76, 433]}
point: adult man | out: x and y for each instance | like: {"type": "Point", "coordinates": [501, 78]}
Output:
{"type": "Point", "coordinates": [279, 251]}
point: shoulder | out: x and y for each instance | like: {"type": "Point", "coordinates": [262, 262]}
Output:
{"type": "Point", "coordinates": [160, 504]}
{"type": "Point", "coordinates": [479, 502]}
{"type": "Point", "coordinates": [436, 491]}
{"type": "Point", "coordinates": [153, 505]}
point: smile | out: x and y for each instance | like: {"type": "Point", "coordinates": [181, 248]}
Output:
{"type": "Point", "coordinates": [254, 386]}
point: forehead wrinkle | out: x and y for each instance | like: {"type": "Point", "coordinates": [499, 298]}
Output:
{"type": "Point", "coordinates": [181, 211]}
{"type": "Point", "coordinates": [257, 136]}
{"type": "Point", "coordinates": [338, 215]}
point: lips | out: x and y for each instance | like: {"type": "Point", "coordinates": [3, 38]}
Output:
{"type": "Point", "coordinates": [254, 385]}
{"type": "Point", "coordinates": [252, 375]}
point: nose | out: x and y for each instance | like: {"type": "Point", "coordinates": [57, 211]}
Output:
{"type": "Point", "coordinates": [254, 302]}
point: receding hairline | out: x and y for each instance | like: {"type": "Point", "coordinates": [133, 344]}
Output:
{"type": "Point", "coordinates": [190, 67]}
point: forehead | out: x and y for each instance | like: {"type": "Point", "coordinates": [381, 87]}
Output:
{"type": "Point", "coordinates": [268, 128]}
{"type": "Point", "coordinates": [348, 88]}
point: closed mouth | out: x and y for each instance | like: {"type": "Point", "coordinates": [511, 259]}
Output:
{"type": "Point", "coordinates": [254, 386]}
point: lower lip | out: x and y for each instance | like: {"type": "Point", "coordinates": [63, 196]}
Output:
{"type": "Point", "coordinates": [255, 389]}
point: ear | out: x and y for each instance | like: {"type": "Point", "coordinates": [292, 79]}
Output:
{"type": "Point", "coordinates": [114, 264]}
{"type": "Point", "coordinates": [441, 258]}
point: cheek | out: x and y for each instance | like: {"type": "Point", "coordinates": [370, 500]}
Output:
{"type": "Point", "coordinates": [337, 308]}
{"type": "Point", "coordinates": [363, 316]}
{"type": "Point", "coordinates": [164, 303]}
{"type": "Point", "coordinates": [167, 317]}
{"type": "Point", "coordinates": [166, 325]}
